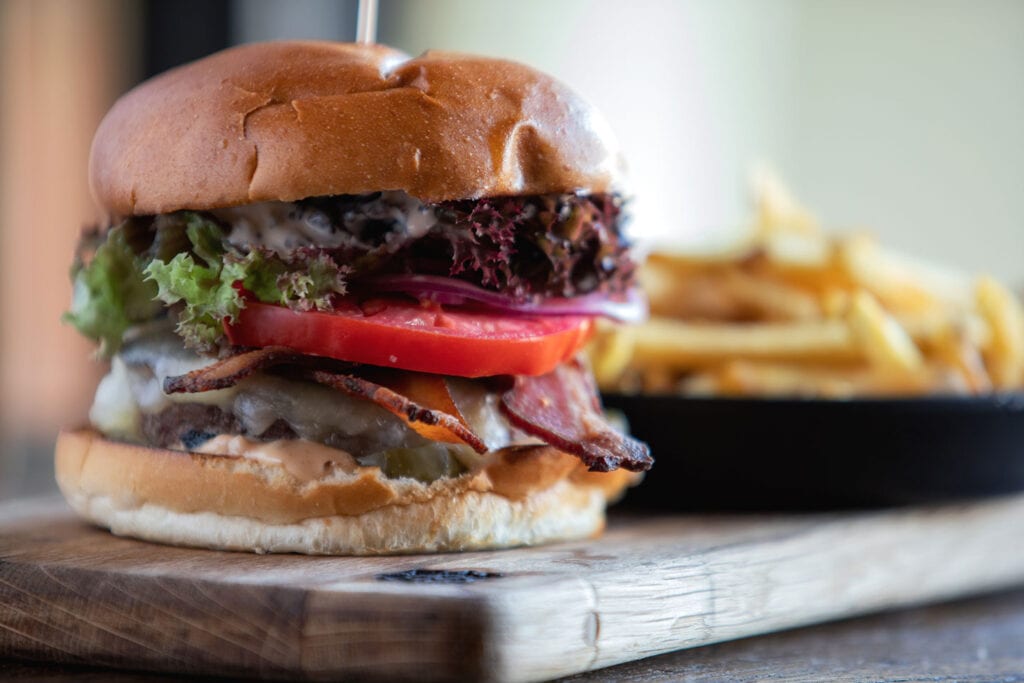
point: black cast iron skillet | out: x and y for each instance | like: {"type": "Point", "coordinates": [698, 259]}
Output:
{"type": "Point", "coordinates": [814, 454]}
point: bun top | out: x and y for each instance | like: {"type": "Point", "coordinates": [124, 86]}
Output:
{"type": "Point", "coordinates": [289, 120]}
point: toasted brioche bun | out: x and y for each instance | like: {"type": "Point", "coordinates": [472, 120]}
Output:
{"type": "Point", "coordinates": [524, 496]}
{"type": "Point", "coordinates": [289, 120]}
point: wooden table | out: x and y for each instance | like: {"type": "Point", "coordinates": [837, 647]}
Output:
{"type": "Point", "coordinates": [978, 639]}
{"type": "Point", "coordinates": [981, 639]}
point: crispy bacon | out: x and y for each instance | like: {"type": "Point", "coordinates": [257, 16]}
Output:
{"type": "Point", "coordinates": [230, 371]}
{"type": "Point", "coordinates": [434, 424]}
{"type": "Point", "coordinates": [423, 401]}
{"type": "Point", "coordinates": [562, 409]}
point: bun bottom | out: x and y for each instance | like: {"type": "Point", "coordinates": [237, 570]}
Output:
{"type": "Point", "coordinates": [162, 496]}
{"type": "Point", "coordinates": [470, 522]}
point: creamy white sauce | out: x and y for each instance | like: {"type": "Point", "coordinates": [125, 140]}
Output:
{"type": "Point", "coordinates": [115, 411]}
{"type": "Point", "coordinates": [282, 226]}
{"type": "Point", "coordinates": [153, 353]}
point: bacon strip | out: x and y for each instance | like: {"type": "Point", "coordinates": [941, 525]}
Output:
{"type": "Point", "coordinates": [230, 371]}
{"type": "Point", "coordinates": [423, 401]}
{"type": "Point", "coordinates": [437, 425]}
{"type": "Point", "coordinates": [562, 409]}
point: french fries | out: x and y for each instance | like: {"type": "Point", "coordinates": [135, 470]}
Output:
{"type": "Point", "coordinates": [1005, 318]}
{"type": "Point", "coordinates": [794, 311]}
{"type": "Point", "coordinates": [882, 341]}
{"type": "Point", "coordinates": [679, 345]}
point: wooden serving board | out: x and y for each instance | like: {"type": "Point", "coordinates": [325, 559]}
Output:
{"type": "Point", "coordinates": [73, 593]}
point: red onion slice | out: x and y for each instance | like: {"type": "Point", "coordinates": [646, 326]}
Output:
{"type": "Point", "coordinates": [630, 306]}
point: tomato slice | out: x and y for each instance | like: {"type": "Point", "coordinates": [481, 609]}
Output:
{"type": "Point", "coordinates": [397, 333]}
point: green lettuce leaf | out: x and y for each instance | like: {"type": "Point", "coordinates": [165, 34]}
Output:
{"type": "Point", "coordinates": [205, 281]}
{"type": "Point", "coordinates": [111, 293]}
{"type": "Point", "coordinates": [182, 260]}
{"type": "Point", "coordinates": [197, 279]}
{"type": "Point", "coordinates": [309, 283]}
{"type": "Point", "coordinates": [208, 298]}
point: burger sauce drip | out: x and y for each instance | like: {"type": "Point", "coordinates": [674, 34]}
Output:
{"type": "Point", "coordinates": [304, 460]}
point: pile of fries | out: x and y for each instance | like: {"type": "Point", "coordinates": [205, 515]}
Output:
{"type": "Point", "coordinates": [795, 311]}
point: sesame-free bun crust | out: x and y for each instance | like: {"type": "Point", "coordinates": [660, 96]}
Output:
{"type": "Point", "coordinates": [289, 120]}
{"type": "Point", "coordinates": [524, 496]}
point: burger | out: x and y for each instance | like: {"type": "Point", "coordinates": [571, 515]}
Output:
{"type": "Point", "coordinates": [344, 294]}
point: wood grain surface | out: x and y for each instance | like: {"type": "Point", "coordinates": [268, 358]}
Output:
{"type": "Point", "coordinates": [972, 640]}
{"type": "Point", "coordinates": [75, 594]}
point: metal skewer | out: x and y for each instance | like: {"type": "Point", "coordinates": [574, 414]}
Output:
{"type": "Point", "coordinates": [366, 24]}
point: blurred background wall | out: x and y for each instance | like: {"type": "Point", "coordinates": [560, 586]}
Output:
{"type": "Point", "coordinates": [61, 65]}
{"type": "Point", "coordinates": [901, 116]}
